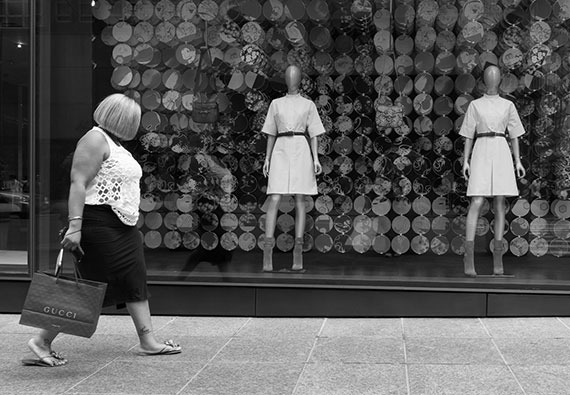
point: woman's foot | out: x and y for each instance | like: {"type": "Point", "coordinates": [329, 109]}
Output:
{"type": "Point", "coordinates": [46, 356]}
{"type": "Point", "coordinates": [156, 348]}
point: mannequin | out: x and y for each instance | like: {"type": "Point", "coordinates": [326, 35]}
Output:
{"type": "Point", "coordinates": [291, 163]}
{"type": "Point", "coordinates": [488, 164]}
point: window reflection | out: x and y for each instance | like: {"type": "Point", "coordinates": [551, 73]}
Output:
{"type": "Point", "coordinates": [14, 136]}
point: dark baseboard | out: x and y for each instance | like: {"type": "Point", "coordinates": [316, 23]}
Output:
{"type": "Point", "coordinates": [522, 305]}
{"type": "Point", "coordinates": [279, 301]}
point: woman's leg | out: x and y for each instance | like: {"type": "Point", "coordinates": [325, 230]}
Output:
{"type": "Point", "coordinates": [499, 208]}
{"type": "Point", "coordinates": [270, 221]}
{"type": "Point", "coordinates": [470, 228]}
{"type": "Point", "coordinates": [300, 218]}
{"type": "Point", "coordinates": [140, 314]}
{"type": "Point", "coordinates": [41, 346]}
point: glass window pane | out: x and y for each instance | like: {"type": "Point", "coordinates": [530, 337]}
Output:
{"type": "Point", "coordinates": [391, 204]}
{"type": "Point", "coordinates": [14, 137]}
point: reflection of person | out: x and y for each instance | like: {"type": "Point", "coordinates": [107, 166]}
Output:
{"type": "Point", "coordinates": [491, 171]}
{"type": "Point", "coordinates": [290, 162]}
{"type": "Point", "coordinates": [103, 211]}
{"type": "Point", "coordinates": [210, 211]}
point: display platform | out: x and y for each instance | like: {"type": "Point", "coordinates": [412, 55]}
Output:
{"type": "Point", "coordinates": [343, 286]}
{"type": "Point", "coordinates": [367, 270]}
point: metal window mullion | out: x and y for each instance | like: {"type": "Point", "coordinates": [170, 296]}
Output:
{"type": "Point", "coordinates": [33, 220]}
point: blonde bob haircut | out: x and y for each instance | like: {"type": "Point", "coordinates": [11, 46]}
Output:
{"type": "Point", "coordinates": [120, 115]}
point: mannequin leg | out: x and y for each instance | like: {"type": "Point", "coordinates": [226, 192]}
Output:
{"type": "Point", "coordinates": [499, 207]}
{"type": "Point", "coordinates": [471, 226]}
{"type": "Point", "coordinates": [300, 218]}
{"type": "Point", "coordinates": [269, 243]}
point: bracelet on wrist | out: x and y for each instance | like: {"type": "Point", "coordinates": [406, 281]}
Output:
{"type": "Point", "coordinates": [76, 218]}
{"type": "Point", "coordinates": [70, 233]}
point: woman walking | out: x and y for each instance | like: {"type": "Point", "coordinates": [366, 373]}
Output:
{"type": "Point", "coordinates": [103, 211]}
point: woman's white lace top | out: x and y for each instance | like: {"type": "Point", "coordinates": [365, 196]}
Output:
{"type": "Point", "coordinates": [117, 183]}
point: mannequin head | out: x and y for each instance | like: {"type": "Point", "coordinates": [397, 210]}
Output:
{"type": "Point", "coordinates": [492, 78]}
{"type": "Point", "coordinates": [293, 78]}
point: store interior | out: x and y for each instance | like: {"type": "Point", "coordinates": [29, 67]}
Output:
{"type": "Point", "coordinates": [391, 204]}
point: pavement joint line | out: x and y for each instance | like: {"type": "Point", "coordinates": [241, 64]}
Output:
{"type": "Point", "coordinates": [322, 327]}
{"type": "Point", "coordinates": [210, 360]}
{"type": "Point", "coordinates": [233, 336]}
{"type": "Point", "coordinates": [310, 355]}
{"type": "Point", "coordinates": [562, 322]}
{"type": "Point", "coordinates": [504, 360]}
{"type": "Point", "coordinates": [89, 376]}
{"type": "Point", "coordinates": [406, 372]}
{"type": "Point", "coordinates": [485, 328]}
{"type": "Point", "coordinates": [241, 327]}
{"type": "Point", "coordinates": [166, 324]}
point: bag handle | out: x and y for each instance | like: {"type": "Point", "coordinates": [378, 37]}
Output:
{"type": "Point", "coordinates": [59, 266]}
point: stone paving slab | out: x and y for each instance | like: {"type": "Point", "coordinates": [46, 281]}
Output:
{"type": "Point", "coordinates": [549, 327]}
{"type": "Point", "coordinates": [246, 378]}
{"type": "Point", "coordinates": [445, 328]}
{"type": "Point", "coordinates": [362, 327]}
{"type": "Point", "coordinates": [452, 351]}
{"type": "Point", "coordinates": [358, 350]}
{"type": "Point", "coordinates": [274, 356]}
{"type": "Point", "coordinates": [462, 380]}
{"type": "Point", "coordinates": [351, 379]}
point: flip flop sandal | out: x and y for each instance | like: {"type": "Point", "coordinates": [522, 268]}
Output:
{"type": "Point", "coordinates": [170, 348]}
{"type": "Point", "coordinates": [42, 361]}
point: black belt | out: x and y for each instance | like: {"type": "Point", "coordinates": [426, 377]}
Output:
{"type": "Point", "coordinates": [490, 134]}
{"type": "Point", "coordinates": [290, 133]}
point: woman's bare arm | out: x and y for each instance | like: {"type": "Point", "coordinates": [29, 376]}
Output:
{"type": "Point", "coordinates": [89, 154]}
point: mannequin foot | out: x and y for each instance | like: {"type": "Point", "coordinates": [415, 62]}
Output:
{"type": "Point", "coordinates": [469, 259]}
{"type": "Point", "coordinates": [298, 254]}
{"type": "Point", "coordinates": [268, 245]}
{"type": "Point", "coordinates": [498, 258]}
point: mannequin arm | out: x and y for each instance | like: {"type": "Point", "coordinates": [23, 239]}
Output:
{"type": "Point", "coordinates": [315, 151]}
{"type": "Point", "coordinates": [268, 151]}
{"type": "Point", "coordinates": [521, 172]}
{"type": "Point", "coordinates": [466, 157]}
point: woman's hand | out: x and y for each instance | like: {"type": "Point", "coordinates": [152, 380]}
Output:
{"type": "Point", "coordinates": [318, 167]}
{"type": "Point", "coordinates": [71, 242]}
{"type": "Point", "coordinates": [521, 172]}
{"type": "Point", "coordinates": [266, 167]}
{"type": "Point", "coordinates": [466, 170]}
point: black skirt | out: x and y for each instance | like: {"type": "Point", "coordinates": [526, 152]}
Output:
{"type": "Point", "coordinates": [113, 254]}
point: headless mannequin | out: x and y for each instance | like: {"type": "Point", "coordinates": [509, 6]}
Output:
{"type": "Point", "coordinates": [492, 78]}
{"type": "Point", "coordinates": [292, 79]}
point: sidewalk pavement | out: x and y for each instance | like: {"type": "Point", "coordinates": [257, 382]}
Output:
{"type": "Point", "coordinates": [270, 356]}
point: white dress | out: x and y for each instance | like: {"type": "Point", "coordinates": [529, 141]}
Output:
{"type": "Point", "coordinates": [291, 169]}
{"type": "Point", "coordinates": [492, 167]}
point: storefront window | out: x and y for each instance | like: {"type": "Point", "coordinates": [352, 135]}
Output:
{"type": "Point", "coordinates": [15, 197]}
{"type": "Point", "coordinates": [391, 206]}
{"type": "Point", "coordinates": [64, 97]}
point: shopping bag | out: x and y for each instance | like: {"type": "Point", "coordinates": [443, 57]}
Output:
{"type": "Point", "coordinates": [63, 303]}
